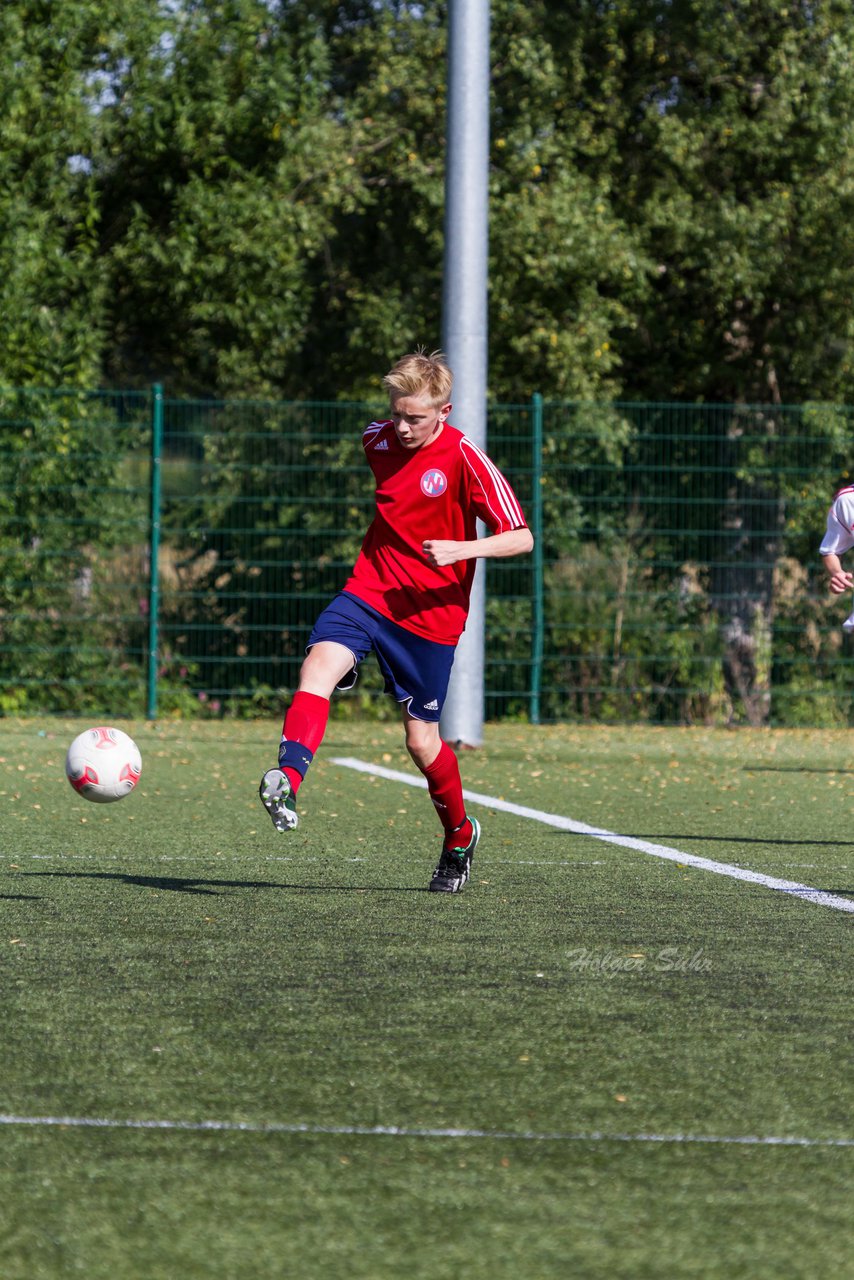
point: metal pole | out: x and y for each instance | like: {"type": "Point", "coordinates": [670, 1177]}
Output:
{"type": "Point", "coordinates": [464, 314]}
{"type": "Point", "coordinates": [154, 549]}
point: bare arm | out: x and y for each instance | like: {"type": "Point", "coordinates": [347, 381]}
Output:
{"type": "Point", "coordinates": [840, 579]}
{"type": "Point", "coordinates": [515, 542]}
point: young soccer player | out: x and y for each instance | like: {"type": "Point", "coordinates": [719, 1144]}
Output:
{"type": "Point", "coordinates": [407, 597]}
{"type": "Point", "coordinates": [839, 538]}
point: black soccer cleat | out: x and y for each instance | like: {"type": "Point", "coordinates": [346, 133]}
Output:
{"type": "Point", "coordinates": [455, 865]}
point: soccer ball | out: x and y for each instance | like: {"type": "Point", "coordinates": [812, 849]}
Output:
{"type": "Point", "coordinates": [103, 765]}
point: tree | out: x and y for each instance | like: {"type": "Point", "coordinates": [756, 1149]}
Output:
{"type": "Point", "coordinates": [739, 173]}
{"type": "Point", "coordinates": [740, 177]}
{"type": "Point", "coordinates": [564, 271]}
{"type": "Point", "coordinates": [52, 281]}
{"type": "Point", "coordinates": [223, 165]}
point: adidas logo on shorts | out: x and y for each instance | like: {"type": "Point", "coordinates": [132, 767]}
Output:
{"type": "Point", "coordinates": [431, 706]}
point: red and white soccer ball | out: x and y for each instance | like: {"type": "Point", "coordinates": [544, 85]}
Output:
{"type": "Point", "coordinates": [103, 765]}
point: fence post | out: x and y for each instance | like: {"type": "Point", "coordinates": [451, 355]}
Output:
{"type": "Point", "coordinates": [538, 623]}
{"type": "Point", "coordinates": [154, 548]}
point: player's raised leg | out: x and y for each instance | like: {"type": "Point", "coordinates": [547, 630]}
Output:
{"type": "Point", "coordinates": [326, 665]}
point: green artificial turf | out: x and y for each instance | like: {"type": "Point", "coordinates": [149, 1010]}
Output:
{"type": "Point", "coordinates": [173, 959]}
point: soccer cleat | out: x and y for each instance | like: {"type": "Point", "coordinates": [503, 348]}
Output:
{"type": "Point", "coordinates": [279, 800]}
{"type": "Point", "coordinates": [455, 865]}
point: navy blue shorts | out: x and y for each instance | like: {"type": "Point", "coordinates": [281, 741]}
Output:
{"type": "Point", "coordinates": [416, 671]}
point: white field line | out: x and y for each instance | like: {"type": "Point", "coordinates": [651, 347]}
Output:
{"type": "Point", "coordinates": [792, 887]}
{"type": "Point", "coordinates": [399, 1131]}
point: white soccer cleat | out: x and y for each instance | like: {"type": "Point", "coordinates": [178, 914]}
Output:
{"type": "Point", "coordinates": [279, 800]}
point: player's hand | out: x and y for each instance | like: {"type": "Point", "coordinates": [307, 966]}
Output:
{"type": "Point", "coordinates": [439, 552]}
{"type": "Point", "coordinates": [841, 582]}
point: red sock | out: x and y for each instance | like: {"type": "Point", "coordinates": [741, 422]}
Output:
{"type": "Point", "coordinates": [446, 792]}
{"type": "Point", "coordinates": [305, 723]}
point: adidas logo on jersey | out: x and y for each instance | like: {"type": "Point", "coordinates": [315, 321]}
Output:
{"type": "Point", "coordinates": [383, 444]}
{"type": "Point", "coordinates": [431, 706]}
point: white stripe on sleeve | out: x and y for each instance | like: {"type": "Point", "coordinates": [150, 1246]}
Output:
{"type": "Point", "coordinates": [494, 485]}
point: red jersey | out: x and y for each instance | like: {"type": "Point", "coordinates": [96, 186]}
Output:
{"type": "Point", "coordinates": [438, 491]}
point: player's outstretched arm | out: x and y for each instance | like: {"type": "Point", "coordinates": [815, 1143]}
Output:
{"type": "Point", "coordinates": [513, 542]}
{"type": "Point", "coordinates": [840, 579]}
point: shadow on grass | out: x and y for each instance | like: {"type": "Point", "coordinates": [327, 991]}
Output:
{"type": "Point", "coordinates": [179, 884]}
{"type": "Point", "coordinates": [788, 768]}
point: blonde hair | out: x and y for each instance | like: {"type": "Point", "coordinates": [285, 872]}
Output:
{"type": "Point", "coordinates": [419, 374]}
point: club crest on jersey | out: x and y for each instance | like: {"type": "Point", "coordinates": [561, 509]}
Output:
{"type": "Point", "coordinates": [434, 483]}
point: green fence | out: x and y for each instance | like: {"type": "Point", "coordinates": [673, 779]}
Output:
{"type": "Point", "coordinates": [169, 557]}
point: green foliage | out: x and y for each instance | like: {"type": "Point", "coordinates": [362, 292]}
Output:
{"type": "Point", "coordinates": [243, 198]}
{"type": "Point", "coordinates": [645, 555]}
{"type": "Point", "coordinates": [52, 278]}
{"type": "Point", "coordinates": [246, 198]}
{"type": "Point", "coordinates": [72, 624]}
{"type": "Point", "coordinates": [624, 642]}
{"type": "Point", "coordinates": [268, 534]}
{"type": "Point", "coordinates": [738, 175]}
{"type": "Point", "coordinates": [226, 163]}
